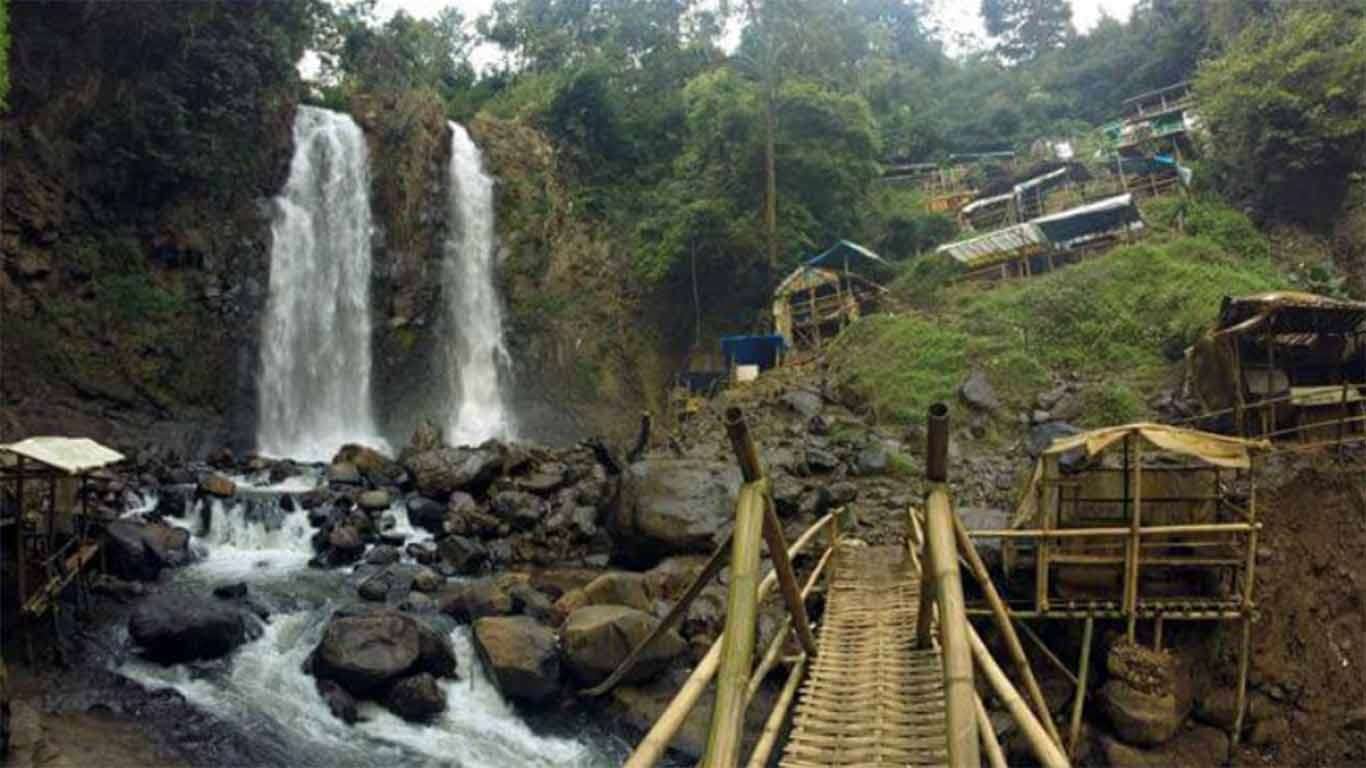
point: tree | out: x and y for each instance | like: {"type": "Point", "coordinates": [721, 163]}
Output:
{"type": "Point", "coordinates": [1027, 28]}
{"type": "Point", "coordinates": [4, 52]}
{"type": "Point", "coordinates": [1286, 112]}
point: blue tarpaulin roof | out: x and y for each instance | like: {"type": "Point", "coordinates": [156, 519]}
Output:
{"type": "Point", "coordinates": [762, 351]}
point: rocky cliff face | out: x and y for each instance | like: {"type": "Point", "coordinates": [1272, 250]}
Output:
{"type": "Point", "coordinates": [139, 161]}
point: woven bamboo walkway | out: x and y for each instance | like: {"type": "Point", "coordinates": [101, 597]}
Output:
{"type": "Point", "coordinates": [871, 698]}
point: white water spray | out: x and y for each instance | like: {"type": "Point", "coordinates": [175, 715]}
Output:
{"type": "Point", "coordinates": [315, 351]}
{"type": "Point", "coordinates": [476, 410]}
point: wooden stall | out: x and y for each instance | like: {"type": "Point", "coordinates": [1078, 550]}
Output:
{"type": "Point", "coordinates": [1283, 365]}
{"type": "Point", "coordinates": [814, 303]}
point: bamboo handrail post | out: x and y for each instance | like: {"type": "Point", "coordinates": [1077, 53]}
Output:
{"type": "Point", "coordinates": [956, 650]}
{"type": "Point", "coordinates": [742, 607]}
{"type": "Point", "coordinates": [1046, 651]}
{"type": "Point", "coordinates": [1078, 703]}
{"type": "Point", "coordinates": [787, 579]}
{"type": "Point", "coordinates": [1049, 754]}
{"type": "Point", "coordinates": [656, 741]}
{"type": "Point", "coordinates": [996, 758]}
{"type": "Point", "coordinates": [1002, 616]}
{"type": "Point", "coordinates": [775, 647]}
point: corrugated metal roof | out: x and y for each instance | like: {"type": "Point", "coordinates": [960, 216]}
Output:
{"type": "Point", "coordinates": [69, 454]}
{"type": "Point", "coordinates": [986, 202]}
{"type": "Point", "coordinates": [1040, 179]}
{"type": "Point", "coordinates": [994, 246]}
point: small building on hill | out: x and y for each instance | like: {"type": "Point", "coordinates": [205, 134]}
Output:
{"type": "Point", "coordinates": [1047, 242]}
{"type": "Point", "coordinates": [1283, 365]}
{"type": "Point", "coordinates": [814, 303]}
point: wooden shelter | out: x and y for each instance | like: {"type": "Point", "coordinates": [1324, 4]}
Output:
{"type": "Point", "coordinates": [49, 537]}
{"type": "Point", "coordinates": [822, 296]}
{"type": "Point", "coordinates": [1283, 364]}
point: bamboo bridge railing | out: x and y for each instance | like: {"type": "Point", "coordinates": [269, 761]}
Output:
{"type": "Point", "coordinates": [924, 706]}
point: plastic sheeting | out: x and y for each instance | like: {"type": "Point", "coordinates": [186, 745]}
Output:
{"type": "Point", "coordinates": [1213, 449]}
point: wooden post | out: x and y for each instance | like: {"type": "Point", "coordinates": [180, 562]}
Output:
{"type": "Point", "coordinates": [1244, 654]}
{"type": "Point", "coordinates": [742, 607]}
{"type": "Point", "coordinates": [1049, 500]}
{"type": "Point", "coordinates": [1078, 703]}
{"type": "Point", "coordinates": [1049, 754]}
{"type": "Point", "coordinates": [1271, 377]}
{"type": "Point", "coordinates": [1135, 522]}
{"type": "Point", "coordinates": [964, 750]}
{"type": "Point", "coordinates": [775, 647]}
{"type": "Point", "coordinates": [1002, 616]}
{"type": "Point", "coordinates": [1249, 577]}
{"type": "Point", "coordinates": [748, 456]}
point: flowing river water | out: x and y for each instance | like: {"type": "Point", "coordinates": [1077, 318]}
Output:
{"type": "Point", "coordinates": [262, 691]}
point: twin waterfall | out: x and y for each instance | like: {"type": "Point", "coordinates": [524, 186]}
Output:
{"type": "Point", "coordinates": [315, 380]}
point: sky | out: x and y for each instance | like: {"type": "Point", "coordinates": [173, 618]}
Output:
{"type": "Point", "coordinates": [958, 17]}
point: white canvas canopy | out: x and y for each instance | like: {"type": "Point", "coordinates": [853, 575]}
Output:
{"type": "Point", "coordinates": [71, 455]}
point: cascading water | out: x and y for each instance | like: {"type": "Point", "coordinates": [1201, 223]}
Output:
{"type": "Point", "coordinates": [315, 350]}
{"type": "Point", "coordinates": [474, 319]}
{"type": "Point", "coordinates": [263, 692]}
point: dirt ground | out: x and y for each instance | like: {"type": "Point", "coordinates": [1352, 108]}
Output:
{"type": "Point", "coordinates": [1309, 646]}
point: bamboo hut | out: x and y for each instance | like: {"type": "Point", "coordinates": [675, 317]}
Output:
{"type": "Point", "coordinates": [814, 303]}
{"type": "Point", "coordinates": [1283, 364]}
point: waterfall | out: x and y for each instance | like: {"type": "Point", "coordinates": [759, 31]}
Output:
{"type": "Point", "coordinates": [474, 321]}
{"type": "Point", "coordinates": [315, 350]}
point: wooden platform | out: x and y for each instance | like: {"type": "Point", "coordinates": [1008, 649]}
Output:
{"type": "Point", "coordinates": [872, 698]}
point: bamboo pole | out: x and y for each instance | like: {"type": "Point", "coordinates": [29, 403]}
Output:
{"type": "Point", "coordinates": [742, 607]}
{"type": "Point", "coordinates": [1079, 703]}
{"type": "Point", "coordinates": [1249, 579]}
{"type": "Point", "coordinates": [1047, 752]}
{"type": "Point", "coordinates": [1046, 651]}
{"type": "Point", "coordinates": [1002, 616]}
{"type": "Point", "coordinates": [964, 751]}
{"type": "Point", "coordinates": [775, 647]}
{"type": "Point", "coordinates": [747, 454]}
{"type": "Point", "coordinates": [1244, 653]}
{"type": "Point", "coordinates": [1111, 532]}
{"type": "Point", "coordinates": [680, 609]}
{"type": "Point", "coordinates": [1135, 525]}
{"type": "Point", "coordinates": [996, 758]}
{"type": "Point", "coordinates": [656, 742]}
{"type": "Point", "coordinates": [774, 725]}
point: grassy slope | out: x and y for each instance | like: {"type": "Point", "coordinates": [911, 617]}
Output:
{"type": "Point", "coordinates": [1118, 323]}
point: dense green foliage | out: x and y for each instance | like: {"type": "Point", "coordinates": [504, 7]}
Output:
{"type": "Point", "coordinates": [1286, 107]}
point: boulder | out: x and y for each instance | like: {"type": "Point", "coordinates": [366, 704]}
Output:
{"type": "Point", "coordinates": [424, 552]}
{"type": "Point", "coordinates": [343, 473]}
{"type": "Point", "coordinates": [344, 545]}
{"type": "Point", "coordinates": [382, 554]}
{"type": "Point", "coordinates": [234, 591]}
{"type": "Point", "coordinates": [427, 580]}
{"type": "Point", "coordinates": [175, 627]}
{"type": "Point", "coordinates": [597, 638]}
{"type": "Point", "coordinates": [1042, 435]}
{"type": "Point", "coordinates": [977, 393]}
{"type": "Point", "coordinates": [427, 514]}
{"type": "Point", "coordinates": [476, 599]}
{"type": "Point", "coordinates": [374, 501]}
{"type": "Point", "coordinates": [521, 655]}
{"type": "Point", "coordinates": [341, 703]}
{"type": "Point", "coordinates": [842, 493]}
{"type": "Point", "coordinates": [435, 656]}
{"type": "Point", "coordinates": [139, 550]}
{"type": "Point", "coordinates": [1218, 707]}
{"type": "Point", "coordinates": [416, 698]}
{"type": "Point", "coordinates": [367, 652]}
{"type": "Point", "coordinates": [872, 460]}
{"type": "Point", "coordinates": [619, 588]}
{"type": "Point", "coordinates": [442, 471]}
{"type": "Point", "coordinates": [373, 465]}
{"type": "Point", "coordinates": [1196, 746]}
{"type": "Point", "coordinates": [465, 556]}
{"type": "Point", "coordinates": [518, 509]}
{"type": "Point", "coordinates": [820, 461]}
{"type": "Point", "coordinates": [806, 404]}
{"type": "Point", "coordinates": [1145, 719]}
{"type": "Point", "coordinates": [214, 484]}
{"type": "Point", "coordinates": [673, 506]}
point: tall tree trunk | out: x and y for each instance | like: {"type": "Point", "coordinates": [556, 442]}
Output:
{"type": "Point", "coordinates": [771, 185]}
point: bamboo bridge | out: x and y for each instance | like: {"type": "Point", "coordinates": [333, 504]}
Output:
{"type": "Point", "coordinates": [887, 677]}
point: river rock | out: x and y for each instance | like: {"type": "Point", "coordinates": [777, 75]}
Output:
{"type": "Point", "coordinates": [343, 473]}
{"type": "Point", "coordinates": [597, 638]}
{"type": "Point", "coordinates": [521, 655]}
{"type": "Point", "coordinates": [427, 514]}
{"type": "Point", "coordinates": [416, 698]}
{"type": "Point", "coordinates": [673, 506]}
{"type": "Point", "coordinates": [214, 484]}
{"type": "Point", "coordinates": [374, 501]}
{"type": "Point", "coordinates": [424, 552]}
{"type": "Point", "coordinates": [476, 599]}
{"type": "Point", "coordinates": [613, 588]}
{"type": "Point", "coordinates": [364, 653]}
{"type": "Point", "coordinates": [373, 465]}
{"type": "Point", "coordinates": [427, 580]}
{"type": "Point", "coordinates": [344, 545]}
{"type": "Point", "coordinates": [175, 627]}
{"type": "Point", "coordinates": [442, 471]}
{"type": "Point", "coordinates": [518, 509]}
{"type": "Point", "coordinates": [139, 550]}
{"type": "Point", "coordinates": [465, 556]}
{"type": "Point", "coordinates": [235, 591]}
{"type": "Point", "coordinates": [341, 703]}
